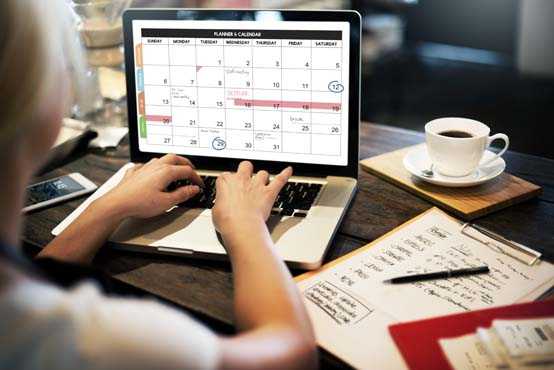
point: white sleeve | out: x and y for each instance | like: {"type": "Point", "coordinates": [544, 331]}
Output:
{"type": "Point", "coordinates": [98, 332]}
{"type": "Point", "coordinates": [117, 333]}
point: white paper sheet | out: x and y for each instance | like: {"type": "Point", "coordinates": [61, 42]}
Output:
{"type": "Point", "coordinates": [108, 136]}
{"type": "Point", "coordinates": [526, 344]}
{"type": "Point", "coordinates": [466, 353]}
{"type": "Point", "coordinates": [351, 307]}
{"type": "Point", "coordinates": [527, 337]}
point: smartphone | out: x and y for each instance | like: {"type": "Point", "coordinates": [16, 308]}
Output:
{"type": "Point", "coordinates": [56, 190]}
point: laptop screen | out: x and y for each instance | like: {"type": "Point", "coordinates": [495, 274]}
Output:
{"type": "Point", "coordinates": [273, 91]}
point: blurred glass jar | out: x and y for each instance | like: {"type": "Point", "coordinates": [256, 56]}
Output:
{"type": "Point", "coordinates": [99, 25]}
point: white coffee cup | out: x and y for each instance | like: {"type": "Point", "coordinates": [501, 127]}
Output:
{"type": "Point", "coordinates": [459, 156]}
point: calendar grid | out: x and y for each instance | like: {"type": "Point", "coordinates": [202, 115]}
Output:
{"type": "Point", "coordinates": [233, 78]}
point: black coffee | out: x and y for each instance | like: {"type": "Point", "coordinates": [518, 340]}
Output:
{"type": "Point", "coordinates": [455, 133]}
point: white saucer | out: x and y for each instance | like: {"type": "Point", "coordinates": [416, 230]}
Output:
{"type": "Point", "coordinates": [417, 160]}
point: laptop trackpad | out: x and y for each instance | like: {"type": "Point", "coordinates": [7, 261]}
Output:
{"type": "Point", "coordinates": [149, 231]}
{"type": "Point", "coordinates": [156, 228]}
{"type": "Point", "coordinates": [279, 225]}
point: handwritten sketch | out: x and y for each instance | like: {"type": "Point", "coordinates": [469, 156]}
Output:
{"type": "Point", "coordinates": [337, 303]}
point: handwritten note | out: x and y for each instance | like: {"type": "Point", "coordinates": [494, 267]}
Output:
{"type": "Point", "coordinates": [338, 304]}
{"type": "Point", "coordinates": [351, 292]}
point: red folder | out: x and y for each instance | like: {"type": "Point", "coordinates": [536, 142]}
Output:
{"type": "Point", "coordinates": [418, 340]}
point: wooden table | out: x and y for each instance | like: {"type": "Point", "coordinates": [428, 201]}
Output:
{"type": "Point", "coordinates": [205, 288]}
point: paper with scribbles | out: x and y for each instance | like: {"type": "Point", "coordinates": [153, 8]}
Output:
{"type": "Point", "coordinates": [351, 307]}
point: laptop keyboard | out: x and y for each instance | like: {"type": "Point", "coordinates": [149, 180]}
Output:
{"type": "Point", "coordinates": [295, 199]}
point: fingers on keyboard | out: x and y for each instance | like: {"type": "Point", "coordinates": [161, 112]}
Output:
{"type": "Point", "coordinates": [294, 199]}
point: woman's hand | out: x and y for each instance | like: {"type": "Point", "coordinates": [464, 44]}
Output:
{"type": "Point", "coordinates": [243, 201]}
{"type": "Point", "coordinates": [142, 192]}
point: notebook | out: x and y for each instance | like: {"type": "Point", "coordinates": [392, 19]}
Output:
{"type": "Point", "coordinates": [351, 308]}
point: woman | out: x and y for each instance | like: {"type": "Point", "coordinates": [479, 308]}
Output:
{"type": "Point", "coordinates": [45, 326]}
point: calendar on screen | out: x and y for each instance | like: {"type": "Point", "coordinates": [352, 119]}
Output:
{"type": "Point", "coordinates": [243, 89]}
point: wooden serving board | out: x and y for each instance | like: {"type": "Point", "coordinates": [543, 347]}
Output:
{"type": "Point", "coordinates": [467, 203]}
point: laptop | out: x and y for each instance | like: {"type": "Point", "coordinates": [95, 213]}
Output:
{"type": "Point", "coordinates": [274, 87]}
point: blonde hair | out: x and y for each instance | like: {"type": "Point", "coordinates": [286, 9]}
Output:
{"type": "Point", "coordinates": [36, 43]}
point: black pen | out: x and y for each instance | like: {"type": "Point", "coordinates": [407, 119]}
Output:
{"type": "Point", "coordinates": [439, 275]}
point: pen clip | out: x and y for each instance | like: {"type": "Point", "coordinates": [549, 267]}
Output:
{"type": "Point", "coordinates": [504, 246]}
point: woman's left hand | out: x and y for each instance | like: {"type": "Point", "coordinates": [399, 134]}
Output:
{"type": "Point", "coordinates": [143, 191]}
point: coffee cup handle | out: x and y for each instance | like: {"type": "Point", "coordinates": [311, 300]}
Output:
{"type": "Point", "coordinates": [490, 140]}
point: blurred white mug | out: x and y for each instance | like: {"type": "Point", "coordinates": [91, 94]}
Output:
{"type": "Point", "coordinates": [456, 145]}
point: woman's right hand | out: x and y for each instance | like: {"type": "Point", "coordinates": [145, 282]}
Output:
{"type": "Point", "coordinates": [244, 201]}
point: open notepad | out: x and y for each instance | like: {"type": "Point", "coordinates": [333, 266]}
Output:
{"type": "Point", "coordinates": [351, 308]}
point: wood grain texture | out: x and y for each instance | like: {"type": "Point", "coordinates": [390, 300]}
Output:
{"type": "Point", "coordinates": [468, 202]}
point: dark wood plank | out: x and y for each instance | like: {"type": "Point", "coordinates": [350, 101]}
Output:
{"type": "Point", "coordinates": [535, 169]}
{"type": "Point", "coordinates": [378, 139]}
{"type": "Point", "coordinates": [340, 246]}
{"type": "Point", "coordinates": [379, 207]}
{"type": "Point", "coordinates": [530, 223]}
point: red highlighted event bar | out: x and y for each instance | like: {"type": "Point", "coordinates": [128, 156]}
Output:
{"type": "Point", "coordinates": [158, 118]}
{"type": "Point", "coordinates": [286, 104]}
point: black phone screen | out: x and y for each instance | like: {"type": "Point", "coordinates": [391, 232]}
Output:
{"type": "Point", "coordinates": [51, 189]}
